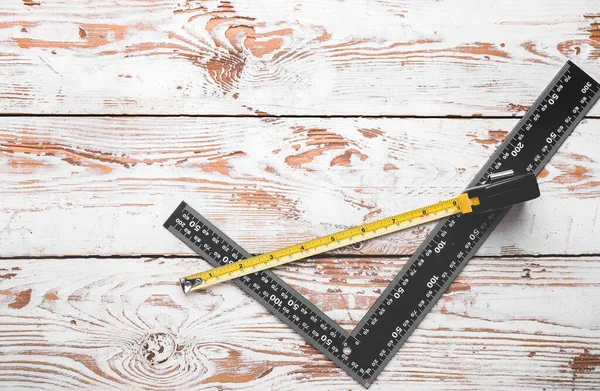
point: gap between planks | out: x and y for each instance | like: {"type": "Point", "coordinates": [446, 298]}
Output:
{"type": "Point", "coordinates": [390, 116]}
{"type": "Point", "coordinates": [320, 256]}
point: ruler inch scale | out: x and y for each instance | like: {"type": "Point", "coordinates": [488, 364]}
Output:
{"type": "Point", "coordinates": [365, 352]}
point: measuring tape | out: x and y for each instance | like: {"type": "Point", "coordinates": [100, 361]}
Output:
{"type": "Point", "coordinates": [503, 190]}
{"type": "Point", "coordinates": [365, 352]}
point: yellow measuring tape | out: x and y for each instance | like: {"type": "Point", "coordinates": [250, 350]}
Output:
{"type": "Point", "coordinates": [461, 204]}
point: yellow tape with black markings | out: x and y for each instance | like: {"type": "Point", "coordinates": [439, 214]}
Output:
{"type": "Point", "coordinates": [461, 204]}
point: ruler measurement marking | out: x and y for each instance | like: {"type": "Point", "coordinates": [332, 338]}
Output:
{"type": "Point", "coordinates": [385, 327]}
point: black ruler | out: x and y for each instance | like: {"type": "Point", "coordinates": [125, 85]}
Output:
{"type": "Point", "coordinates": [365, 352]}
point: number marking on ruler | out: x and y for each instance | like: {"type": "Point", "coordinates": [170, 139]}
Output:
{"type": "Point", "coordinates": [365, 352]}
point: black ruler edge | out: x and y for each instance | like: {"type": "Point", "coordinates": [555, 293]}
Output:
{"type": "Point", "coordinates": [366, 377]}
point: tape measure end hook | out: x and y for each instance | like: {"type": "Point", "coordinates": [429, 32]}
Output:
{"type": "Point", "coordinates": [188, 285]}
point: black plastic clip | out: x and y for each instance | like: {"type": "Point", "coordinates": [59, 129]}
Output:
{"type": "Point", "coordinates": [504, 189]}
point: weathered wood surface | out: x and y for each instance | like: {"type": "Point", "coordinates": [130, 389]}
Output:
{"type": "Point", "coordinates": [104, 186]}
{"type": "Point", "coordinates": [314, 57]}
{"type": "Point", "coordinates": [124, 323]}
{"type": "Point", "coordinates": [525, 314]}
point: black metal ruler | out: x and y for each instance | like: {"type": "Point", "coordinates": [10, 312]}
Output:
{"type": "Point", "coordinates": [365, 352]}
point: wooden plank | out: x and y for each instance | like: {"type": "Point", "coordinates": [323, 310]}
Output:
{"type": "Point", "coordinates": [236, 57]}
{"type": "Point", "coordinates": [102, 186]}
{"type": "Point", "coordinates": [506, 323]}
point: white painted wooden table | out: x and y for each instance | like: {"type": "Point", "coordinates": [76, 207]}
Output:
{"type": "Point", "coordinates": [280, 122]}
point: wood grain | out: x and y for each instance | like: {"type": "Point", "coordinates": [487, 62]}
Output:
{"type": "Point", "coordinates": [124, 323]}
{"type": "Point", "coordinates": [523, 315]}
{"type": "Point", "coordinates": [465, 58]}
{"type": "Point", "coordinates": [104, 186]}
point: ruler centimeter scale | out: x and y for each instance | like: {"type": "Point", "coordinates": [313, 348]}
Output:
{"type": "Point", "coordinates": [365, 352]}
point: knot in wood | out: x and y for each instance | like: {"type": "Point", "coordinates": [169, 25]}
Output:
{"type": "Point", "coordinates": [157, 348]}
